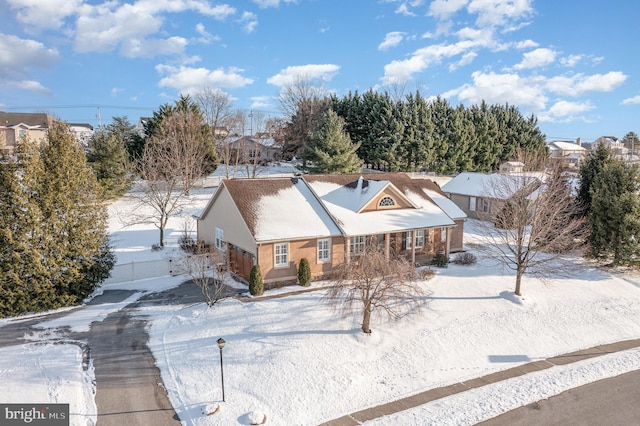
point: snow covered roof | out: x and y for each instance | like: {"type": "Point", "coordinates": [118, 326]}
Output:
{"type": "Point", "coordinates": [330, 205]}
{"type": "Point", "coordinates": [280, 208]}
{"type": "Point", "coordinates": [486, 185]}
{"type": "Point", "coordinates": [565, 146]}
{"type": "Point", "coordinates": [344, 196]}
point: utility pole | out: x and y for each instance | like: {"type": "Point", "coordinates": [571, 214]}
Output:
{"type": "Point", "coordinates": [99, 119]}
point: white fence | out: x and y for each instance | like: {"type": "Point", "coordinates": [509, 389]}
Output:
{"type": "Point", "coordinates": [132, 271]}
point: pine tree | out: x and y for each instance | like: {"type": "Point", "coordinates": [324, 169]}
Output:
{"type": "Point", "coordinates": [256, 284]}
{"type": "Point", "coordinates": [614, 213]}
{"type": "Point", "coordinates": [55, 245]}
{"type": "Point", "coordinates": [330, 149]}
{"type": "Point", "coordinates": [20, 269]}
{"type": "Point", "coordinates": [304, 272]}
{"type": "Point", "coordinates": [108, 158]}
{"type": "Point", "coordinates": [590, 169]}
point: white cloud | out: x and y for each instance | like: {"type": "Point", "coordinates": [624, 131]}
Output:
{"type": "Point", "coordinates": [110, 25]}
{"type": "Point", "coordinates": [571, 60]}
{"type": "Point", "coordinates": [392, 39]}
{"type": "Point", "coordinates": [250, 21]}
{"type": "Point", "coordinates": [443, 9]}
{"type": "Point", "coordinates": [261, 102]}
{"type": "Point", "coordinates": [289, 75]}
{"type": "Point", "coordinates": [631, 101]}
{"type": "Point", "coordinates": [527, 93]}
{"type": "Point", "coordinates": [41, 15]}
{"type": "Point", "coordinates": [263, 4]}
{"type": "Point", "coordinates": [578, 84]}
{"type": "Point", "coordinates": [500, 12]}
{"type": "Point", "coordinates": [19, 55]}
{"type": "Point", "coordinates": [537, 58]}
{"type": "Point", "coordinates": [148, 48]}
{"type": "Point", "coordinates": [565, 111]}
{"type": "Point", "coordinates": [188, 79]}
{"type": "Point", "coordinates": [30, 85]}
{"type": "Point", "coordinates": [205, 36]}
{"type": "Point", "coordinates": [525, 44]}
{"type": "Point", "coordinates": [400, 71]}
{"type": "Point", "coordinates": [466, 59]}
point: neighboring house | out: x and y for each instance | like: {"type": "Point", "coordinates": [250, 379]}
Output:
{"type": "Point", "coordinates": [480, 195]}
{"type": "Point", "coordinates": [15, 126]}
{"type": "Point", "coordinates": [570, 154]}
{"type": "Point", "coordinates": [248, 149]}
{"type": "Point", "coordinates": [512, 167]}
{"type": "Point", "coordinates": [328, 219]}
{"type": "Point", "coordinates": [614, 144]}
{"type": "Point", "coordinates": [83, 132]}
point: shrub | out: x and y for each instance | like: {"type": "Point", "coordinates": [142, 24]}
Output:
{"type": "Point", "coordinates": [464, 259]}
{"type": "Point", "coordinates": [304, 272]}
{"type": "Point", "coordinates": [156, 247]}
{"type": "Point", "coordinates": [256, 284]}
{"type": "Point", "coordinates": [440, 260]}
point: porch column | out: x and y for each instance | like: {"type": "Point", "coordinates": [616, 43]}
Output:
{"type": "Point", "coordinates": [413, 247]}
{"type": "Point", "coordinates": [387, 245]}
{"type": "Point", "coordinates": [347, 250]}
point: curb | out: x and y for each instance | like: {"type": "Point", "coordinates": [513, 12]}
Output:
{"type": "Point", "coordinates": [359, 417]}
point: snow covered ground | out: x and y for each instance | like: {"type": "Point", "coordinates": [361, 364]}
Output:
{"type": "Point", "coordinates": [295, 361]}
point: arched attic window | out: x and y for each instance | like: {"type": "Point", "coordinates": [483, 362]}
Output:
{"type": "Point", "coordinates": [386, 202]}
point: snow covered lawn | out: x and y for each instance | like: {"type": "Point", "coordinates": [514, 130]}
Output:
{"type": "Point", "coordinates": [294, 361]}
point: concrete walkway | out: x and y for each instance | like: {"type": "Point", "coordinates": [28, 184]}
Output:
{"type": "Point", "coordinates": [413, 401]}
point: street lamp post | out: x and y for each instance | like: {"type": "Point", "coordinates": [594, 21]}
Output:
{"type": "Point", "coordinates": [221, 343]}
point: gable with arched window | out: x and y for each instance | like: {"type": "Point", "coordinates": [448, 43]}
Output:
{"type": "Point", "coordinates": [386, 202]}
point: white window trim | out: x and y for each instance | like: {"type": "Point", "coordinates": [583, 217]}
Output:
{"type": "Point", "coordinates": [473, 202]}
{"type": "Point", "coordinates": [283, 263]}
{"type": "Point", "coordinates": [322, 250]}
{"type": "Point", "coordinates": [419, 238]}
{"type": "Point", "coordinates": [357, 247]}
{"type": "Point", "coordinates": [219, 239]}
{"type": "Point", "coordinates": [443, 235]}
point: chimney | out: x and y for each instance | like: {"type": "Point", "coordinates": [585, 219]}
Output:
{"type": "Point", "coordinates": [579, 141]}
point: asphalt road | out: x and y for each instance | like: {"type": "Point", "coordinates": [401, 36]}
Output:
{"type": "Point", "coordinates": [610, 402]}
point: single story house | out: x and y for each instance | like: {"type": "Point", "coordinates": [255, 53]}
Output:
{"type": "Point", "coordinates": [480, 195]}
{"type": "Point", "coordinates": [327, 219]}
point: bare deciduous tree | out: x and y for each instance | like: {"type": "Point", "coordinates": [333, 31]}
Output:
{"type": "Point", "coordinates": [207, 268]}
{"type": "Point", "coordinates": [532, 225]}
{"type": "Point", "coordinates": [372, 281]}
{"type": "Point", "coordinates": [184, 135]}
{"type": "Point", "coordinates": [159, 188]}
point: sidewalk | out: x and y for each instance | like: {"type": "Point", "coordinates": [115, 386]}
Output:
{"type": "Point", "coordinates": [362, 416]}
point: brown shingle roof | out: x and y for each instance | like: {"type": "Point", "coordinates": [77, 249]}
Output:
{"type": "Point", "coordinates": [247, 192]}
{"type": "Point", "coordinates": [30, 119]}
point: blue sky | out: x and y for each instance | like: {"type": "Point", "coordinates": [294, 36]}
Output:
{"type": "Point", "coordinates": [571, 63]}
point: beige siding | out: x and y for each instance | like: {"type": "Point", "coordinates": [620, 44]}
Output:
{"type": "Point", "coordinates": [225, 215]}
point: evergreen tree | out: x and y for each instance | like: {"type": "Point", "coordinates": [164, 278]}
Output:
{"type": "Point", "coordinates": [614, 213]}
{"type": "Point", "coordinates": [590, 169]}
{"type": "Point", "coordinates": [23, 275]}
{"type": "Point", "coordinates": [256, 283]}
{"type": "Point", "coordinates": [53, 242]}
{"type": "Point", "coordinates": [330, 149]}
{"type": "Point", "coordinates": [108, 157]}
{"type": "Point", "coordinates": [304, 272]}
